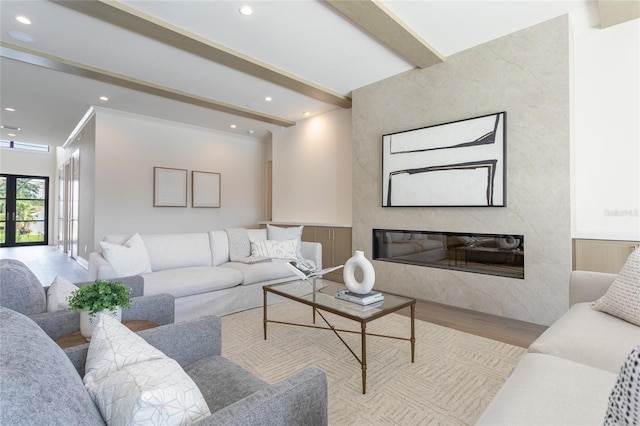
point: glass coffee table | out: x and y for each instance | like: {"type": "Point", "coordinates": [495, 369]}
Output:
{"type": "Point", "coordinates": [320, 295]}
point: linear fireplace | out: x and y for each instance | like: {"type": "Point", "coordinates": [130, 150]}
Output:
{"type": "Point", "coordinates": [492, 254]}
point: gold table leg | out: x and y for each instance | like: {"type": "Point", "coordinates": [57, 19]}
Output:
{"type": "Point", "coordinates": [364, 358]}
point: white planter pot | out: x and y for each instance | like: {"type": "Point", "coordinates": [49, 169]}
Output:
{"type": "Point", "coordinates": [358, 261]}
{"type": "Point", "coordinates": [87, 321]}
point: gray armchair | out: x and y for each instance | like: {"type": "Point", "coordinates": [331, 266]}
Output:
{"type": "Point", "coordinates": [21, 291]}
{"type": "Point", "coordinates": [234, 395]}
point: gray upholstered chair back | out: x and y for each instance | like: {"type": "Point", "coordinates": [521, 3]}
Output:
{"type": "Point", "coordinates": [20, 289]}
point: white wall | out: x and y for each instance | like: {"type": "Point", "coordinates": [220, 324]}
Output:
{"type": "Point", "coordinates": [16, 162]}
{"type": "Point", "coordinates": [129, 146]}
{"type": "Point", "coordinates": [312, 170]}
{"type": "Point", "coordinates": [607, 133]}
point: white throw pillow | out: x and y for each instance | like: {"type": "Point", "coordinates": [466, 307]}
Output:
{"type": "Point", "coordinates": [274, 249]}
{"type": "Point", "coordinates": [59, 290]}
{"type": "Point", "coordinates": [622, 299]}
{"type": "Point", "coordinates": [128, 259]}
{"type": "Point", "coordinates": [132, 382]}
{"type": "Point", "coordinates": [291, 233]}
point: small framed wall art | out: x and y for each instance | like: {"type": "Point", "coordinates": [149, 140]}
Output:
{"type": "Point", "coordinates": [456, 164]}
{"type": "Point", "coordinates": [169, 187]}
{"type": "Point", "coordinates": [205, 188]}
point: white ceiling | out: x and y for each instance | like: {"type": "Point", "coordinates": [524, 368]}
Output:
{"type": "Point", "coordinates": [306, 38]}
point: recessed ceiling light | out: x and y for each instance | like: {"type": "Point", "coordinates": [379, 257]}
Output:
{"type": "Point", "coordinates": [20, 36]}
{"type": "Point", "coordinates": [250, 132]}
{"type": "Point", "coordinates": [23, 20]}
{"type": "Point", "coordinates": [4, 126]}
{"type": "Point", "coordinates": [11, 134]}
{"type": "Point", "coordinates": [246, 11]}
{"type": "Point", "coordinates": [233, 126]}
{"type": "Point", "coordinates": [10, 109]}
{"type": "Point", "coordinates": [268, 99]}
{"type": "Point", "coordinates": [104, 98]}
{"type": "Point", "coordinates": [306, 113]}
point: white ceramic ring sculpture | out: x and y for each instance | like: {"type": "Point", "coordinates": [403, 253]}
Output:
{"type": "Point", "coordinates": [368, 274]}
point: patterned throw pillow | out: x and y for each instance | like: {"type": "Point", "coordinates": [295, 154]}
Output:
{"type": "Point", "coordinates": [274, 249]}
{"type": "Point", "coordinates": [290, 233]}
{"type": "Point", "coordinates": [624, 401]}
{"type": "Point", "coordinates": [623, 297]}
{"type": "Point", "coordinates": [128, 259]}
{"type": "Point", "coordinates": [132, 382]}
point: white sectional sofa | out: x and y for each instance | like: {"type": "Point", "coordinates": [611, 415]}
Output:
{"type": "Point", "coordinates": [569, 372]}
{"type": "Point", "coordinates": [196, 269]}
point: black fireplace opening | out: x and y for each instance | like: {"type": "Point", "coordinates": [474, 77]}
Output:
{"type": "Point", "coordinates": [480, 253]}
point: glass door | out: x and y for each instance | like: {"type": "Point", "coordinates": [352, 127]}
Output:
{"type": "Point", "coordinates": [23, 210]}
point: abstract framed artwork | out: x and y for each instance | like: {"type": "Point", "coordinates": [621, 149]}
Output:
{"type": "Point", "coordinates": [169, 187]}
{"type": "Point", "coordinates": [205, 189]}
{"type": "Point", "coordinates": [456, 164]}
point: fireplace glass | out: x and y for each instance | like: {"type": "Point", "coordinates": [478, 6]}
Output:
{"type": "Point", "coordinates": [492, 254]}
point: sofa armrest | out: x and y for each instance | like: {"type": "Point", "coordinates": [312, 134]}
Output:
{"type": "Point", "coordinates": [99, 268]}
{"type": "Point", "coordinates": [587, 286]}
{"type": "Point", "coordinates": [58, 324]}
{"type": "Point", "coordinates": [298, 400]}
{"type": "Point", "coordinates": [312, 251]}
{"type": "Point", "coordinates": [185, 342]}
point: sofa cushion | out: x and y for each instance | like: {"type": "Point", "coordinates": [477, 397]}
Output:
{"type": "Point", "coordinates": [259, 272]}
{"type": "Point", "coordinates": [59, 290]}
{"type": "Point", "coordinates": [39, 385]}
{"type": "Point", "coordinates": [128, 258]}
{"type": "Point", "coordinates": [547, 390]}
{"type": "Point", "coordinates": [239, 245]}
{"type": "Point", "coordinates": [622, 299]}
{"type": "Point", "coordinates": [168, 251]}
{"type": "Point", "coordinates": [590, 337]}
{"type": "Point", "coordinates": [208, 373]}
{"type": "Point", "coordinates": [134, 383]}
{"type": "Point", "coordinates": [219, 247]}
{"type": "Point", "coordinates": [624, 401]}
{"type": "Point", "coordinates": [182, 282]}
{"type": "Point", "coordinates": [20, 290]}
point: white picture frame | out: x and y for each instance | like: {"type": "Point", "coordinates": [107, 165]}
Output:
{"type": "Point", "coordinates": [169, 187]}
{"type": "Point", "coordinates": [205, 189]}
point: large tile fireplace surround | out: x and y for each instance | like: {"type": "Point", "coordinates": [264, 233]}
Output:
{"type": "Point", "coordinates": [492, 254]}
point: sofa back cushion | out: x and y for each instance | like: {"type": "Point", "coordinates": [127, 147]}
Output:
{"type": "Point", "coordinates": [20, 290]}
{"type": "Point", "coordinates": [38, 384]}
{"type": "Point", "coordinates": [169, 251]}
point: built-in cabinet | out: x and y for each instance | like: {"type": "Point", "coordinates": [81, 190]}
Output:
{"type": "Point", "coordinates": [601, 255]}
{"type": "Point", "coordinates": [336, 246]}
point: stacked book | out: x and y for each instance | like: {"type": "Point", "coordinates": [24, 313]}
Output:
{"type": "Point", "coordinates": [360, 299]}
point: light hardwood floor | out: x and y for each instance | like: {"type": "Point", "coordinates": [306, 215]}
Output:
{"type": "Point", "coordinates": [47, 261]}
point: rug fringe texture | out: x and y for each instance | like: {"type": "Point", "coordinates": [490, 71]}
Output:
{"type": "Point", "coordinates": [453, 379]}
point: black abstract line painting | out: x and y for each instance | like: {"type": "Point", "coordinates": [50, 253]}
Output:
{"type": "Point", "coordinates": [462, 163]}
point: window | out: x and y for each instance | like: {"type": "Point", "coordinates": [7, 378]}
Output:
{"type": "Point", "coordinates": [24, 146]}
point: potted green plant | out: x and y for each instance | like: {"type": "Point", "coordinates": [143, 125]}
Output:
{"type": "Point", "coordinates": [102, 296]}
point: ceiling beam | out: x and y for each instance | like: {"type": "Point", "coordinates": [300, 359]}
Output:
{"type": "Point", "coordinates": [382, 24]}
{"type": "Point", "coordinates": [131, 19]}
{"type": "Point", "coordinates": [18, 53]}
{"type": "Point", "coordinates": [614, 12]}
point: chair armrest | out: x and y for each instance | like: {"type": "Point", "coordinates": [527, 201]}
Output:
{"type": "Point", "coordinates": [189, 341]}
{"type": "Point", "coordinates": [99, 268]}
{"type": "Point", "coordinates": [298, 400]}
{"type": "Point", "coordinates": [136, 282]}
{"type": "Point", "coordinates": [58, 324]}
{"type": "Point", "coordinates": [312, 251]}
{"type": "Point", "coordinates": [159, 308]}
{"type": "Point", "coordinates": [587, 286]}
{"type": "Point", "coordinates": [185, 342]}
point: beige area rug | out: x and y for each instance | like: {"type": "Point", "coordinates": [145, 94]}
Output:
{"type": "Point", "coordinates": [453, 379]}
